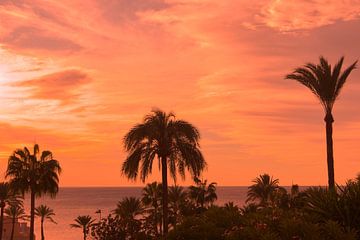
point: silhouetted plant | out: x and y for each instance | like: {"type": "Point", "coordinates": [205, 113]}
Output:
{"type": "Point", "coordinates": [263, 189]}
{"type": "Point", "coordinates": [35, 173]}
{"type": "Point", "coordinates": [202, 194]}
{"type": "Point", "coordinates": [326, 83]}
{"type": "Point", "coordinates": [129, 210]}
{"type": "Point", "coordinates": [115, 228]}
{"type": "Point", "coordinates": [45, 213]}
{"type": "Point", "coordinates": [85, 223]}
{"type": "Point", "coordinates": [152, 200]}
{"type": "Point", "coordinates": [177, 203]}
{"type": "Point", "coordinates": [174, 142]}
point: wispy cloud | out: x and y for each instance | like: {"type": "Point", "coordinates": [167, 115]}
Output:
{"type": "Point", "coordinates": [60, 85]}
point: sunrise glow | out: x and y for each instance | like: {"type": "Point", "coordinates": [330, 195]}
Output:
{"type": "Point", "coordinates": [75, 76]}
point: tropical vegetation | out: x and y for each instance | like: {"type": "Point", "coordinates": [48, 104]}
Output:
{"type": "Point", "coordinates": [36, 173]}
{"type": "Point", "coordinates": [271, 212]}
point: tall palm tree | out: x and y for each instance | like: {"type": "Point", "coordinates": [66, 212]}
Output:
{"type": "Point", "coordinates": [15, 212]}
{"type": "Point", "coordinates": [326, 83]}
{"type": "Point", "coordinates": [83, 222]}
{"type": "Point", "coordinates": [6, 197]}
{"type": "Point", "coordinates": [152, 198]}
{"type": "Point", "coordinates": [263, 189]}
{"type": "Point", "coordinates": [174, 142]}
{"type": "Point", "coordinates": [45, 213]}
{"type": "Point", "coordinates": [202, 193]}
{"type": "Point", "coordinates": [35, 173]}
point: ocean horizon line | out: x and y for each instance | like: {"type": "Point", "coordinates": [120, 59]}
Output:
{"type": "Point", "coordinates": [180, 186]}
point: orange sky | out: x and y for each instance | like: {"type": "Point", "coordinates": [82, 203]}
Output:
{"type": "Point", "coordinates": [76, 75]}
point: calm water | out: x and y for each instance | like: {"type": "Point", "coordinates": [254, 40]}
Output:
{"type": "Point", "coordinates": [71, 202]}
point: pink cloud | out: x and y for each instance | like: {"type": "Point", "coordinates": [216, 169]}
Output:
{"type": "Point", "coordinates": [59, 85]}
{"type": "Point", "coordinates": [292, 15]}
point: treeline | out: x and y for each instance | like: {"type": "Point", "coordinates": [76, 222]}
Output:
{"type": "Point", "coordinates": [271, 212]}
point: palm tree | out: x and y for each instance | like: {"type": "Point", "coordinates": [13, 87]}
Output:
{"type": "Point", "coordinates": [35, 173]}
{"type": "Point", "coordinates": [326, 83]}
{"type": "Point", "coordinates": [152, 198]}
{"type": "Point", "coordinates": [129, 208]}
{"type": "Point", "coordinates": [15, 212]}
{"type": "Point", "coordinates": [6, 197]}
{"type": "Point", "coordinates": [263, 189]}
{"type": "Point", "coordinates": [45, 213]}
{"type": "Point", "coordinates": [177, 202]}
{"type": "Point", "coordinates": [203, 194]}
{"type": "Point", "coordinates": [84, 222]}
{"type": "Point", "coordinates": [174, 142]}
{"type": "Point", "coordinates": [230, 206]}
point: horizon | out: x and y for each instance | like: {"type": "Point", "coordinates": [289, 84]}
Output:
{"type": "Point", "coordinates": [218, 65]}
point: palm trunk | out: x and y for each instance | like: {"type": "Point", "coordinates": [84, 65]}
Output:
{"type": "Point", "coordinates": [165, 195]}
{"type": "Point", "coordinates": [330, 152]}
{"type": "Point", "coordinates": [32, 215]}
{"type": "Point", "coordinates": [42, 230]}
{"type": "Point", "coordinates": [12, 228]}
{"type": "Point", "coordinates": [84, 231]}
{"type": "Point", "coordinates": [2, 219]}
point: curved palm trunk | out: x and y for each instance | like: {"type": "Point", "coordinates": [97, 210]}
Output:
{"type": "Point", "coordinates": [42, 230]}
{"type": "Point", "coordinates": [12, 229]}
{"type": "Point", "coordinates": [32, 215]}
{"type": "Point", "coordinates": [165, 195]}
{"type": "Point", "coordinates": [330, 151]}
{"type": "Point", "coordinates": [2, 219]}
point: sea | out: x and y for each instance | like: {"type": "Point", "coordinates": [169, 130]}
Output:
{"type": "Point", "coordinates": [71, 202]}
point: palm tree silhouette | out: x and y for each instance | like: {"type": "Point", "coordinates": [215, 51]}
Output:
{"type": "Point", "coordinates": [174, 142]}
{"type": "Point", "coordinates": [35, 173]}
{"type": "Point", "coordinates": [326, 83]}
{"type": "Point", "coordinates": [45, 213]}
{"type": "Point", "coordinates": [151, 198]}
{"type": "Point", "coordinates": [263, 189]}
{"type": "Point", "coordinates": [6, 197]}
{"type": "Point", "coordinates": [177, 202]}
{"type": "Point", "coordinates": [203, 194]}
{"type": "Point", "coordinates": [83, 222]}
{"type": "Point", "coordinates": [15, 211]}
{"type": "Point", "coordinates": [129, 208]}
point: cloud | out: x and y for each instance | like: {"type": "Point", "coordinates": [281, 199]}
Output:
{"type": "Point", "coordinates": [59, 86]}
{"type": "Point", "coordinates": [292, 15]}
{"type": "Point", "coordinates": [27, 37]}
{"type": "Point", "coordinates": [121, 11]}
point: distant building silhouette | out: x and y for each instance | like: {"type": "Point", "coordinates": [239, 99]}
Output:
{"type": "Point", "coordinates": [21, 230]}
